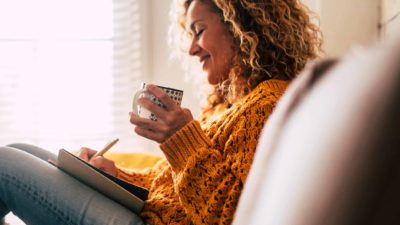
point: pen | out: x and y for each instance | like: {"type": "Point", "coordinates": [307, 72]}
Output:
{"type": "Point", "coordinates": [106, 148]}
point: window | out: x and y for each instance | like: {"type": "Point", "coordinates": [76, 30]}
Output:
{"type": "Point", "coordinates": [68, 69]}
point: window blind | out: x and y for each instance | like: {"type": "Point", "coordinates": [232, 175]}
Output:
{"type": "Point", "coordinates": [68, 69]}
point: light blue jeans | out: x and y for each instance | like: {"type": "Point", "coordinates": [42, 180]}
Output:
{"type": "Point", "coordinates": [39, 193]}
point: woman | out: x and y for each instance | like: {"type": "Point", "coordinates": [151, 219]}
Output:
{"type": "Point", "coordinates": [249, 50]}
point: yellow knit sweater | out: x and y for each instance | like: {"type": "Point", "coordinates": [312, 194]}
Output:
{"type": "Point", "coordinates": [207, 163]}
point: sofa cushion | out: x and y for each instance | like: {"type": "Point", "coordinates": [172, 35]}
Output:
{"type": "Point", "coordinates": [133, 160]}
{"type": "Point", "coordinates": [329, 154]}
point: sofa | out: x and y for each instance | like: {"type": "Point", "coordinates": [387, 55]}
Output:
{"type": "Point", "coordinates": [330, 152]}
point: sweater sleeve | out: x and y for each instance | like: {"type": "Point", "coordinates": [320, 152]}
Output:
{"type": "Point", "coordinates": [209, 174]}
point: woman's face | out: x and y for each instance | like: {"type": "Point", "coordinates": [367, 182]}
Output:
{"type": "Point", "coordinates": [211, 41]}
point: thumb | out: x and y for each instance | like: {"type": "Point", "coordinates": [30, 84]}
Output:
{"type": "Point", "coordinates": [188, 113]}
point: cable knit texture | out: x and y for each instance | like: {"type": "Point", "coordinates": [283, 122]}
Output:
{"type": "Point", "coordinates": [207, 162]}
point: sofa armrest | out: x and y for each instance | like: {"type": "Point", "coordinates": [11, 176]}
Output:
{"type": "Point", "coordinates": [334, 159]}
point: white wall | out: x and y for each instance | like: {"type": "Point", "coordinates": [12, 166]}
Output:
{"type": "Point", "coordinates": [346, 23]}
{"type": "Point", "coordinates": [390, 17]}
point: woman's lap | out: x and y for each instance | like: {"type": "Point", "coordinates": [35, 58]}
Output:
{"type": "Point", "coordinates": [34, 150]}
{"type": "Point", "coordinates": [39, 193]}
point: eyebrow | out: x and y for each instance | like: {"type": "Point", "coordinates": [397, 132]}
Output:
{"type": "Point", "coordinates": [194, 23]}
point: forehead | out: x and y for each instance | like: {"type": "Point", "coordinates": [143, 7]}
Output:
{"type": "Point", "coordinates": [199, 10]}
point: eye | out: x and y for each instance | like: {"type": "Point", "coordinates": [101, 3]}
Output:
{"type": "Point", "coordinates": [198, 33]}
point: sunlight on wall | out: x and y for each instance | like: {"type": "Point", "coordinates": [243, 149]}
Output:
{"type": "Point", "coordinates": [55, 91]}
{"type": "Point", "coordinates": [63, 19]}
{"type": "Point", "coordinates": [56, 71]}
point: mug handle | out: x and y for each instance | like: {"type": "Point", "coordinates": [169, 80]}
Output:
{"type": "Point", "coordinates": [135, 108]}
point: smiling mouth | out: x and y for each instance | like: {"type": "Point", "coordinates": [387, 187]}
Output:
{"type": "Point", "coordinates": [202, 59]}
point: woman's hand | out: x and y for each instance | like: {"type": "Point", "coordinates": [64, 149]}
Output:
{"type": "Point", "coordinates": [100, 162]}
{"type": "Point", "coordinates": [169, 119]}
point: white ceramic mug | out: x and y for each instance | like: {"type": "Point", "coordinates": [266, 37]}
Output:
{"type": "Point", "coordinates": [175, 94]}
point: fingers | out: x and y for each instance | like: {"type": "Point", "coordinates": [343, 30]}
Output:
{"type": "Point", "coordinates": [86, 153]}
{"type": "Point", "coordinates": [152, 107]}
{"type": "Point", "coordinates": [147, 128]}
{"type": "Point", "coordinates": [160, 131]}
{"type": "Point", "coordinates": [104, 164]}
{"type": "Point", "coordinates": [100, 162]}
{"type": "Point", "coordinates": [147, 124]}
{"type": "Point", "coordinates": [162, 95]}
{"type": "Point", "coordinates": [143, 122]}
{"type": "Point", "coordinates": [188, 114]}
{"type": "Point", "coordinates": [170, 119]}
{"type": "Point", "coordinates": [163, 113]}
{"type": "Point", "coordinates": [159, 137]}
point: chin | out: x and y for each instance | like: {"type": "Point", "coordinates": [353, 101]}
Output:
{"type": "Point", "coordinates": [213, 76]}
{"type": "Point", "coordinates": [214, 80]}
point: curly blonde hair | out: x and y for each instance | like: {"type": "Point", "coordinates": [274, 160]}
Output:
{"type": "Point", "coordinates": [275, 39]}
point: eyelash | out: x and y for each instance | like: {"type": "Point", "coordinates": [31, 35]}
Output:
{"type": "Point", "coordinates": [199, 33]}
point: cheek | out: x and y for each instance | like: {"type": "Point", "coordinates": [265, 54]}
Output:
{"type": "Point", "coordinates": [225, 55]}
{"type": "Point", "coordinates": [205, 44]}
{"type": "Point", "coordinates": [225, 45]}
{"type": "Point", "coordinates": [220, 48]}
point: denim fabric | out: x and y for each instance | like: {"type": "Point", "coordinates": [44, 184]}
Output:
{"type": "Point", "coordinates": [39, 193]}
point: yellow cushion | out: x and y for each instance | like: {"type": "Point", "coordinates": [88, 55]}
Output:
{"type": "Point", "coordinates": [133, 160]}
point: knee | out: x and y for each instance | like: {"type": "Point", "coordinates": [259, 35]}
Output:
{"type": "Point", "coordinates": [6, 152]}
{"type": "Point", "coordinates": [34, 150]}
{"type": "Point", "coordinates": [11, 149]}
{"type": "Point", "coordinates": [5, 149]}
{"type": "Point", "coordinates": [12, 158]}
{"type": "Point", "coordinates": [19, 145]}
{"type": "Point", "coordinates": [11, 152]}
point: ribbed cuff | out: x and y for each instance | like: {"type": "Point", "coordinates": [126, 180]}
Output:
{"type": "Point", "coordinates": [121, 174]}
{"type": "Point", "coordinates": [183, 144]}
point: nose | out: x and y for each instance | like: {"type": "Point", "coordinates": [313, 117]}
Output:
{"type": "Point", "coordinates": [194, 47]}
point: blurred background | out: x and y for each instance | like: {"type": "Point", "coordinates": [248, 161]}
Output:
{"type": "Point", "coordinates": [69, 68]}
